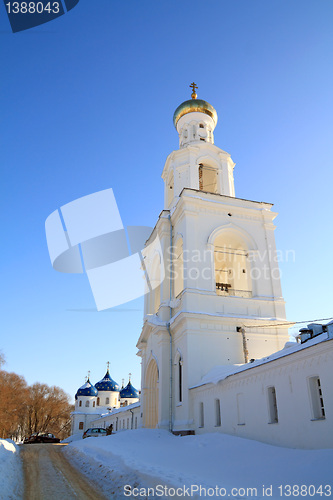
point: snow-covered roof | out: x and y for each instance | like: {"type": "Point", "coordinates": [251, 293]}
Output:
{"type": "Point", "coordinates": [219, 373]}
{"type": "Point", "coordinates": [120, 410]}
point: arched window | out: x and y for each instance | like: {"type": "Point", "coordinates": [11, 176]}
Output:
{"type": "Point", "coordinates": [80, 403]}
{"type": "Point", "coordinates": [207, 178]}
{"type": "Point", "coordinates": [107, 401]}
{"type": "Point", "coordinates": [178, 267]}
{"type": "Point", "coordinates": [232, 267]}
{"type": "Point", "coordinates": [87, 404]}
{"type": "Point", "coordinates": [97, 401]}
{"type": "Point", "coordinates": [93, 404]}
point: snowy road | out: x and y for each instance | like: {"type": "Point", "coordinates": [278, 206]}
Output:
{"type": "Point", "coordinates": [48, 475]}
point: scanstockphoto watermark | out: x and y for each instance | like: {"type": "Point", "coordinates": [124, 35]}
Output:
{"type": "Point", "coordinates": [227, 265]}
{"type": "Point", "coordinates": [227, 253]}
{"type": "Point", "coordinates": [194, 490]}
{"type": "Point", "coordinates": [197, 490]}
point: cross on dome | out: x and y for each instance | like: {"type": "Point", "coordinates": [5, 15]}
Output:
{"type": "Point", "coordinates": [194, 87]}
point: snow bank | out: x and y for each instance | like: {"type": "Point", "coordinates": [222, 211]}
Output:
{"type": "Point", "coordinates": [146, 458]}
{"type": "Point", "coordinates": [70, 439]}
{"type": "Point", "coordinates": [11, 475]}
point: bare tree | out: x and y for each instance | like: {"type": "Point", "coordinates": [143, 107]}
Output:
{"type": "Point", "coordinates": [13, 396]}
{"type": "Point", "coordinates": [2, 359]}
{"type": "Point", "coordinates": [38, 408]}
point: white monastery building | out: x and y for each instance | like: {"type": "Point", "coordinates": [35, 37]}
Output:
{"type": "Point", "coordinates": [214, 343]}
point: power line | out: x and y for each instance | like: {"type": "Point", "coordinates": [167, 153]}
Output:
{"type": "Point", "coordinates": [287, 323]}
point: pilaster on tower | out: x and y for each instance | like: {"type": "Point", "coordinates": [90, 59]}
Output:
{"type": "Point", "coordinates": [198, 163]}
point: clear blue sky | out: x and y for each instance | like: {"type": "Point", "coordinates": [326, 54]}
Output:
{"type": "Point", "coordinates": [87, 103]}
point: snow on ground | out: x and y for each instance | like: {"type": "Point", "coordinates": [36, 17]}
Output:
{"type": "Point", "coordinates": [11, 474]}
{"type": "Point", "coordinates": [147, 458]}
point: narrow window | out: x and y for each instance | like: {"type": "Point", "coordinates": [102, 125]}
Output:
{"type": "Point", "coordinates": [97, 401]}
{"type": "Point", "coordinates": [81, 426]}
{"type": "Point", "coordinates": [272, 405]}
{"type": "Point", "coordinates": [201, 415]}
{"type": "Point", "coordinates": [207, 179]}
{"type": "Point", "coordinates": [180, 380]}
{"type": "Point", "coordinates": [128, 423]}
{"type": "Point", "coordinates": [217, 413]}
{"type": "Point", "coordinates": [107, 401]}
{"type": "Point", "coordinates": [93, 404]}
{"type": "Point", "coordinates": [136, 423]}
{"type": "Point", "coordinates": [317, 400]}
{"type": "Point", "coordinates": [116, 424]}
{"type": "Point", "coordinates": [240, 409]}
{"type": "Point", "coordinates": [80, 403]}
{"type": "Point", "coordinates": [87, 404]}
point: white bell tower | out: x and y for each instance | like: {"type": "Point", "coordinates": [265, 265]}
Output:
{"type": "Point", "coordinates": [220, 302]}
{"type": "Point", "coordinates": [198, 163]}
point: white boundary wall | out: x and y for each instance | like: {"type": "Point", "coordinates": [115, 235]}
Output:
{"type": "Point", "coordinates": [245, 401]}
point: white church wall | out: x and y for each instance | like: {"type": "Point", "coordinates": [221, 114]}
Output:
{"type": "Point", "coordinates": [247, 405]}
{"type": "Point", "coordinates": [81, 421]}
{"type": "Point", "coordinates": [125, 418]}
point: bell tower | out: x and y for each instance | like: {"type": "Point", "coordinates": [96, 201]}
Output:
{"type": "Point", "coordinates": [198, 163]}
{"type": "Point", "coordinates": [219, 301]}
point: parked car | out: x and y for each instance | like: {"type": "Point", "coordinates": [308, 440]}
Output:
{"type": "Point", "coordinates": [41, 437]}
{"type": "Point", "coordinates": [94, 432]}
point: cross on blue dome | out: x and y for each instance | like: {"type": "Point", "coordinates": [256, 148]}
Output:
{"type": "Point", "coordinates": [129, 391]}
{"type": "Point", "coordinates": [86, 389]}
{"type": "Point", "coordinates": [107, 383]}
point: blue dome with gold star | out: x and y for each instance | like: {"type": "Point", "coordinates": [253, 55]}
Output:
{"type": "Point", "coordinates": [129, 391]}
{"type": "Point", "coordinates": [107, 384]}
{"type": "Point", "coordinates": [86, 389]}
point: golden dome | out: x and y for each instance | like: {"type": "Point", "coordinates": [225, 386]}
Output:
{"type": "Point", "coordinates": [194, 105]}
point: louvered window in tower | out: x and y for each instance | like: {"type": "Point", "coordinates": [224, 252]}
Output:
{"type": "Point", "coordinates": [207, 179]}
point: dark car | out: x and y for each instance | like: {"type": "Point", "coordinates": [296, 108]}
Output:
{"type": "Point", "coordinates": [94, 432]}
{"type": "Point", "coordinates": [41, 437]}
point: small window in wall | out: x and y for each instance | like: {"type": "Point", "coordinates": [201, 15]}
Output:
{"type": "Point", "coordinates": [272, 405]}
{"type": "Point", "coordinates": [80, 403]}
{"type": "Point", "coordinates": [317, 400]}
{"type": "Point", "coordinates": [201, 415]}
{"type": "Point", "coordinates": [240, 409]}
{"type": "Point", "coordinates": [81, 426]}
{"type": "Point", "coordinates": [136, 423]}
{"type": "Point", "coordinates": [207, 179]}
{"type": "Point", "coordinates": [116, 424]}
{"type": "Point", "coordinates": [180, 380]}
{"type": "Point", "coordinates": [97, 401]}
{"type": "Point", "coordinates": [107, 401]}
{"type": "Point", "coordinates": [201, 125]}
{"type": "Point", "coordinates": [217, 413]}
{"type": "Point", "coordinates": [87, 404]}
{"type": "Point", "coordinates": [93, 404]}
{"type": "Point", "coordinates": [128, 423]}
